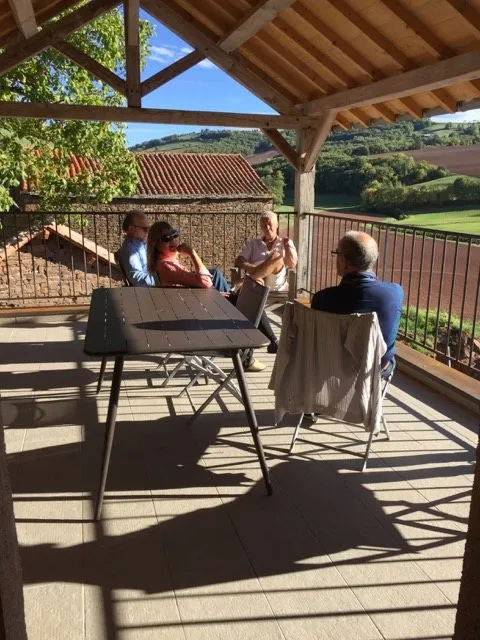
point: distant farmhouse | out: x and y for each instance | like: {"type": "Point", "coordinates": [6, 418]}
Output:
{"type": "Point", "coordinates": [214, 199]}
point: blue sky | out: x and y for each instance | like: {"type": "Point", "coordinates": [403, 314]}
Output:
{"type": "Point", "coordinates": [206, 88]}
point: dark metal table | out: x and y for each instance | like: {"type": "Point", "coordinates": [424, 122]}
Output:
{"type": "Point", "coordinates": [141, 320]}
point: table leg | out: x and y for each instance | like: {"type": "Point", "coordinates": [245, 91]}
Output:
{"type": "Point", "coordinates": [109, 431]}
{"type": "Point", "coordinates": [252, 419]}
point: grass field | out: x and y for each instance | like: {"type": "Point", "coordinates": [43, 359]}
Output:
{"type": "Point", "coordinates": [442, 182]}
{"type": "Point", "coordinates": [458, 221]}
{"type": "Point", "coordinates": [342, 202]}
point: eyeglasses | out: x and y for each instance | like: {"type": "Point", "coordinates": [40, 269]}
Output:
{"type": "Point", "coordinates": [336, 253]}
{"type": "Point", "coordinates": [139, 226]}
{"type": "Point", "coordinates": [171, 235]}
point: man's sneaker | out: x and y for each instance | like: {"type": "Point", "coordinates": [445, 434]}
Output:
{"type": "Point", "coordinates": [312, 417]}
{"type": "Point", "coordinates": [256, 366]}
{"type": "Point", "coordinates": [272, 347]}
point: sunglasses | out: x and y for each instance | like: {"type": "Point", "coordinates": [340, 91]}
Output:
{"type": "Point", "coordinates": [171, 235]}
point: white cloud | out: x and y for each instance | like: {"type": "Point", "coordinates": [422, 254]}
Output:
{"type": "Point", "coordinates": [206, 64]}
{"type": "Point", "coordinates": [167, 54]}
{"type": "Point", "coordinates": [461, 116]}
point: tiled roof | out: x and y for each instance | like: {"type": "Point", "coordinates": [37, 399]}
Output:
{"type": "Point", "coordinates": [184, 174]}
{"type": "Point", "coordinates": [198, 174]}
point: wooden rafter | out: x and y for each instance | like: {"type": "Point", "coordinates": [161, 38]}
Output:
{"type": "Point", "coordinates": [461, 68]}
{"type": "Point", "coordinates": [315, 140]}
{"type": "Point", "coordinates": [131, 12]}
{"type": "Point", "coordinates": [178, 21]}
{"type": "Point", "coordinates": [346, 49]}
{"type": "Point", "coordinates": [471, 16]}
{"type": "Point", "coordinates": [282, 145]}
{"type": "Point", "coordinates": [258, 16]}
{"type": "Point", "coordinates": [96, 69]}
{"type": "Point", "coordinates": [375, 36]}
{"type": "Point", "coordinates": [430, 41]}
{"type": "Point", "coordinates": [170, 72]}
{"type": "Point", "coordinates": [24, 16]}
{"type": "Point", "coordinates": [16, 53]}
{"type": "Point", "coordinates": [155, 116]}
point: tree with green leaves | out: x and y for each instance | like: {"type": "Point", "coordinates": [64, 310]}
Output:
{"type": "Point", "coordinates": [276, 183]}
{"type": "Point", "coordinates": [41, 151]}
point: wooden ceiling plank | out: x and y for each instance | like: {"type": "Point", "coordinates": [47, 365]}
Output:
{"type": "Point", "coordinates": [260, 14]}
{"type": "Point", "coordinates": [131, 10]}
{"type": "Point", "coordinates": [368, 30]}
{"type": "Point", "coordinates": [468, 13]}
{"type": "Point", "coordinates": [445, 99]}
{"type": "Point", "coordinates": [24, 16]}
{"type": "Point", "coordinates": [333, 38]}
{"type": "Point", "coordinates": [432, 43]}
{"type": "Point", "coordinates": [170, 72]}
{"type": "Point", "coordinates": [60, 111]}
{"type": "Point", "coordinates": [461, 68]}
{"type": "Point", "coordinates": [385, 112]}
{"type": "Point", "coordinates": [16, 53]}
{"type": "Point", "coordinates": [175, 20]}
{"type": "Point", "coordinates": [316, 139]}
{"type": "Point", "coordinates": [282, 145]}
{"type": "Point", "coordinates": [93, 67]}
{"type": "Point", "coordinates": [360, 116]}
{"type": "Point", "coordinates": [412, 107]}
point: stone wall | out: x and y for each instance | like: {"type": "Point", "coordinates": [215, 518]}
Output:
{"type": "Point", "coordinates": [52, 271]}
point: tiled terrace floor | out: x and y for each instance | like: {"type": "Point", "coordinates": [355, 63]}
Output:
{"type": "Point", "coordinates": [190, 546]}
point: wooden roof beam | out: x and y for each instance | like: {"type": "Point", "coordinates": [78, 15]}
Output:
{"type": "Point", "coordinates": [24, 16]}
{"type": "Point", "coordinates": [60, 111]}
{"type": "Point", "coordinates": [17, 52]}
{"type": "Point", "coordinates": [259, 15]}
{"type": "Point", "coordinates": [171, 72]}
{"type": "Point", "coordinates": [461, 68]}
{"type": "Point", "coordinates": [93, 67]}
{"type": "Point", "coordinates": [282, 145]}
{"type": "Point", "coordinates": [315, 140]}
{"type": "Point", "coordinates": [131, 10]}
{"type": "Point", "coordinates": [177, 20]}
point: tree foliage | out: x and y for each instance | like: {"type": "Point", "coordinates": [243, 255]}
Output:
{"type": "Point", "coordinates": [41, 151]}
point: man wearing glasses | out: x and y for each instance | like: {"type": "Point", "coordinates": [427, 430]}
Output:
{"type": "Point", "coordinates": [132, 254]}
{"type": "Point", "coordinates": [359, 290]}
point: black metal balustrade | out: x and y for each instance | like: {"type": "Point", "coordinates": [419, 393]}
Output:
{"type": "Point", "coordinates": [60, 258]}
{"type": "Point", "coordinates": [439, 272]}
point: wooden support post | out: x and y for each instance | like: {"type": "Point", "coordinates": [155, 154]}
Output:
{"type": "Point", "coordinates": [304, 201]}
{"type": "Point", "coordinates": [132, 50]}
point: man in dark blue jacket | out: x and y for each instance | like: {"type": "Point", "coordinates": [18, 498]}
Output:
{"type": "Point", "coordinates": [360, 292]}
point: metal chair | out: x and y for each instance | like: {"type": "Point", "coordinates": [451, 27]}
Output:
{"type": "Point", "coordinates": [251, 302]}
{"type": "Point", "coordinates": [372, 435]}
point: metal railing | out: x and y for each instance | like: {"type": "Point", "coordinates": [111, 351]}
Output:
{"type": "Point", "coordinates": [438, 270]}
{"type": "Point", "coordinates": [59, 258]}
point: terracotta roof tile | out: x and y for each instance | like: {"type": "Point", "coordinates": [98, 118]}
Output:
{"type": "Point", "coordinates": [184, 174]}
{"type": "Point", "coordinates": [197, 174]}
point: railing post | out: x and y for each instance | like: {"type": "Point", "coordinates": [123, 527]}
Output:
{"type": "Point", "coordinates": [304, 200]}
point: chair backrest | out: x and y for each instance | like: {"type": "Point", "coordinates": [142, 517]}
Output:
{"type": "Point", "coordinates": [252, 299]}
{"type": "Point", "coordinates": [126, 281]}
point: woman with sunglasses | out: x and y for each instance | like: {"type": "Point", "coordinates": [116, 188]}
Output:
{"type": "Point", "coordinates": [163, 251]}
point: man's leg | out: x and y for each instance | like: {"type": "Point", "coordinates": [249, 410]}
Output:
{"type": "Point", "coordinates": [219, 282]}
{"type": "Point", "coordinates": [249, 362]}
{"type": "Point", "coordinates": [266, 328]}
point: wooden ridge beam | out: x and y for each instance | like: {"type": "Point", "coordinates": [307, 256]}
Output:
{"type": "Point", "coordinates": [282, 145]}
{"type": "Point", "coordinates": [178, 21]}
{"type": "Point", "coordinates": [131, 10]}
{"type": "Point", "coordinates": [93, 67]}
{"type": "Point", "coordinates": [24, 16]}
{"type": "Point", "coordinates": [315, 140]}
{"type": "Point", "coordinates": [58, 111]}
{"type": "Point", "coordinates": [258, 16]}
{"type": "Point", "coordinates": [461, 68]}
{"type": "Point", "coordinates": [17, 52]}
{"type": "Point", "coordinates": [170, 72]}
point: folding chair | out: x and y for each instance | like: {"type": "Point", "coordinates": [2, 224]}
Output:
{"type": "Point", "coordinates": [386, 382]}
{"type": "Point", "coordinates": [251, 302]}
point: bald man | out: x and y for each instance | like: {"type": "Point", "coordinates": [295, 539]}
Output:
{"type": "Point", "coordinates": [133, 253]}
{"type": "Point", "coordinates": [360, 292]}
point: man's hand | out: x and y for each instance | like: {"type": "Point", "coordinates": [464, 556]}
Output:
{"type": "Point", "coordinates": [286, 241]}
